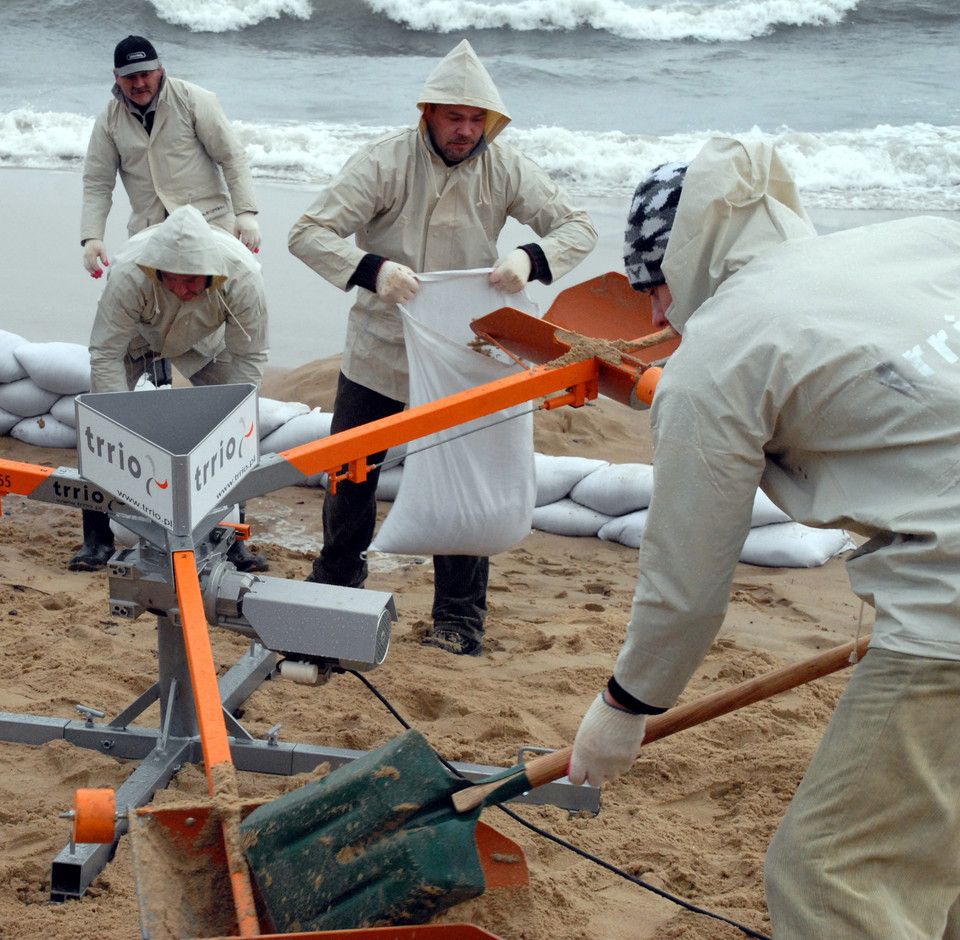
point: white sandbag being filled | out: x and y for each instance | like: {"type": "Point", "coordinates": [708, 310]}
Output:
{"type": "Point", "coordinates": [467, 490]}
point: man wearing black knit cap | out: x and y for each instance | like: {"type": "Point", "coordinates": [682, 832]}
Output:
{"type": "Point", "coordinates": [171, 145]}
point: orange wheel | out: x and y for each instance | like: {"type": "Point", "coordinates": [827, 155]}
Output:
{"type": "Point", "coordinates": [94, 815]}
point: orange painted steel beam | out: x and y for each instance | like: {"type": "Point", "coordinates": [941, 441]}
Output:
{"type": "Point", "coordinates": [350, 449]}
{"type": "Point", "coordinates": [213, 730]}
{"type": "Point", "coordinates": [21, 478]}
{"type": "Point", "coordinates": [331, 453]}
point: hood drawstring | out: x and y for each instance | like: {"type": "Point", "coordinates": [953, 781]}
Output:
{"type": "Point", "coordinates": [156, 297]}
{"type": "Point", "coordinates": [229, 313]}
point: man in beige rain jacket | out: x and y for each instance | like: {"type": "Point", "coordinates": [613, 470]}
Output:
{"type": "Point", "coordinates": [188, 293]}
{"type": "Point", "coordinates": [172, 145]}
{"type": "Point", "coordinates": [826, 370]}
{"type": "Point", "coordinates": [428, 198]}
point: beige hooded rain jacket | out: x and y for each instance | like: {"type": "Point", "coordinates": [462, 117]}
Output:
{"type": "Point", "coordinates": [191, 156]}
{"type": "Point", "coordinates": [401, 201]}
{"type": "Point", "coordinates": [826, 369]}
{"type": "Point", "coordinates": [219, 337]}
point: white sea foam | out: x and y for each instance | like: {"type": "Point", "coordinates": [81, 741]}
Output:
{"type": "Point", "coordinates": [916, 167]}
{"type": "Point", "coordinates": [218, 16]}
{"type": "Point", "coordinates": [661, 20]}
{"type": "Point", "coordinates": [725, 21]}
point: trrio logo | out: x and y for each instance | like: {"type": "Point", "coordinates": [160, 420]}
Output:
{"type": "Point", "coordinates": [115, 455]}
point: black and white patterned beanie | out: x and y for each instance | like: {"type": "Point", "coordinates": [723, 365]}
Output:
{"type": "Point", "coordinates": [652, 212]}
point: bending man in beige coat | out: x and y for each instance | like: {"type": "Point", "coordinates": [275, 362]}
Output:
{"type": "Point", "coordinates": [432, 197]}
{"type": "Point", "coordinates": [172, 145]}
{"type": "Point", "coordinates": [826, 369]}
{"type": "Point", "coordinates": [192, 295]}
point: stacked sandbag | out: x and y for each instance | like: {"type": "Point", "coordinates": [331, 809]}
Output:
{"type": "Point", "coordinates": [610, 501]}
{"type": "Point", "coordinates": [575, 496]}
{"type": "Point", "coordinates": [39, 383]}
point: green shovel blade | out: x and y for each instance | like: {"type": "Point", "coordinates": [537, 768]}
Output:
{"type": "Point", "coordinates": [375, 842]}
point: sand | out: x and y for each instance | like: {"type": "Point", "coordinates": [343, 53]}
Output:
{"type": "Point", "coordinates": [692, 819]}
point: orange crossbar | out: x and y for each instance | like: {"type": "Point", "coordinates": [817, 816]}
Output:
{"type": "Point", "coordinates": [331, 453]}
{"type": "Point", "coordinates": [213, 729]}
{"type": "Point", "coordinates": [20, 478]}
{"type": "Point", "coordinates": [351, 448]}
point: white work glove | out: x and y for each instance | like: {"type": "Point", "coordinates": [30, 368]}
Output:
{"type": "Point", "coordinates": [93, 254]}
{"type": "Point", "coordinates": [607, 743]}
{"type": "Point", "coordinates": [247, 229]}
{"type": "Point", "coordinates": [512, 273]}
{"type": "Point", "coordinates": [396, 283]}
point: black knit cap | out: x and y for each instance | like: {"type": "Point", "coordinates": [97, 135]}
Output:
{"type": "Point", "coordinates": [649, 222]}
{"type": "Point", "coordinates": [135, 54]}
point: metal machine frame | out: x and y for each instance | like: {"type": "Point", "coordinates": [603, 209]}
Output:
{"type": "Point", "coordinates": [196, 709]}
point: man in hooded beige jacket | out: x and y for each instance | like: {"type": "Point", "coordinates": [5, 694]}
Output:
{"type": "Point", "coordinates": [433, 197]}
{"type": "Point", "coordinates": [216, 336]}
{"type": "Point", "coordinates": [192, 295]}
{"type": "Point", "coordinates": [826, 370]}
{"type": "Point", "coordinates": [171, 145]}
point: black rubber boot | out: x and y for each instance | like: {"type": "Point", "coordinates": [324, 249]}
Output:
{"type": "Point", "coordinates": [240, 556]}
{"type": "Point", "coordinates": [98, 544]}
{"type": "Point", "coordinates": [244, 560]}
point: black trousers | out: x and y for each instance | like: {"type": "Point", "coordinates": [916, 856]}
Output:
{"type": "Point", "coordinates": [350, 517]}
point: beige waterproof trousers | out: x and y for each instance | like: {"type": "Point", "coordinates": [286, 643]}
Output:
{"type": "Point", "coordinates": [870, 846]}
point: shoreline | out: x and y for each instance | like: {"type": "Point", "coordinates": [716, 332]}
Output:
{"type": "Point", "coordinates": [50, 297]}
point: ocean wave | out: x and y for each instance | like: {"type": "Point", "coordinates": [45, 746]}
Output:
{"type": "Point", "coordinates": [725, 21]}
{"type": "Point", "coordinates": [220, 16]}
{"type": "Point", "coordinates": [909, 168]}
{"type": "Point", "coordinates": [704, 20]}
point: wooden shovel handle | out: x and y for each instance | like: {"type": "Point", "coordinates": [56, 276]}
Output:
{"type": "Point", "coordinates": [554, 766]}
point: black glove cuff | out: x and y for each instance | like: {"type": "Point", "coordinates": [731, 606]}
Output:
{"type": "Point", "coordinates": [625, 700]}
{"type": "Point", "coordinates": [539, 266]}
{"type": "Point", "coordinates": [366, 273]}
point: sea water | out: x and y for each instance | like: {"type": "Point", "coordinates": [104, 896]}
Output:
{"type": "Point", "coordinates": [861, 96]}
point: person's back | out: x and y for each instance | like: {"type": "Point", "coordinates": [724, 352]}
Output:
{"type": "Point", "coordinates": [838, 357]}
{"type": "Point", "coordinates": [827, 370]}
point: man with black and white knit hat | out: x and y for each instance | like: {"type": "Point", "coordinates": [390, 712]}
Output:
{"type": "Point", "coordinates": [826, 370]}
{"type": "Point", "coordinates": [652, 212]}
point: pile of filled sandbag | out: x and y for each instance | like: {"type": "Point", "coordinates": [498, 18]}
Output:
{"type": "Point", "coordinates": [575, 496]}
{"type": "Point", "coordinates": [578, 496]}
{"type": "Point", "coordinates": [38, 383]}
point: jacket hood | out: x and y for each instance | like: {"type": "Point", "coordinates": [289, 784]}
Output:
{"type": "Point", "coordinates": [738, 200]}
{"type": "Point", "coordinates": [460, 78]}
{"type": "Point", "coordinates": [183, 243]}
